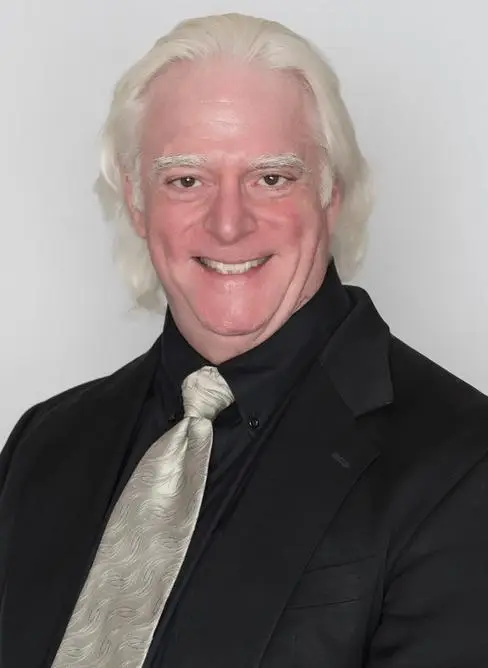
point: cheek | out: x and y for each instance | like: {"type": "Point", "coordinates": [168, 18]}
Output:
{"type": "Point", "coordinates": [295, 222]}
{"type": "Point", "coordinates": [172, 227]}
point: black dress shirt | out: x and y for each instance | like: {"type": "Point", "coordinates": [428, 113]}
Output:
{"type": "Point", "coordinates": [262, 380]}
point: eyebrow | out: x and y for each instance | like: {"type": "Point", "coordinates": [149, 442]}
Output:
{"type": "Point", "coordinates": [180, 160]}
{"type": "Point", "coordinates": [267, 161]}
{"type": "Point", "coordinates": [281, 161]}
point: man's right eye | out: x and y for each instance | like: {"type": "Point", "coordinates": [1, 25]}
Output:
{"type": "Point", "coordinates": [185, 182]}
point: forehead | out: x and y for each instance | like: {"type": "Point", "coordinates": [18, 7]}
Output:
{"type": "Point", "coordinates": [227, 106]}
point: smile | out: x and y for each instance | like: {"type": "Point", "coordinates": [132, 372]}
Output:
{"type": "Point", "coordinates": [224, 268]}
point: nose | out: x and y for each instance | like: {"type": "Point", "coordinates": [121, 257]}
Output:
{"type": "Point", "coordinates": [229, 219]}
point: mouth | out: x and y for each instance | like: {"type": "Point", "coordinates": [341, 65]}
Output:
{"type": "Point", "coordinates": [232, 269]}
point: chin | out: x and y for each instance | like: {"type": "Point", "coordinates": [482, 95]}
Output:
{"type": "Point", "coordinates": [235, 325]}
{"type": "Point", "coordinates": [232, 328]}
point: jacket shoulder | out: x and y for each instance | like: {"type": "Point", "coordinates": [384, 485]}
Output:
{"type": "Point", "coordinates": [88, 390]}
{"type": "Point", "coordinates": [60, 407]}
{"type": "Point", "coordinates": [433, 434]}
{"type": "Point", "coordinates": [421, 385]}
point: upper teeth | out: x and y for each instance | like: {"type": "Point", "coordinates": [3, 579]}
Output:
{"type": "Point", "coordinates": [223, 268]}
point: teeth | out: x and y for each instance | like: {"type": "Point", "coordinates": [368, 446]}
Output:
{"type": "Point", "coordinates": [223, 268]}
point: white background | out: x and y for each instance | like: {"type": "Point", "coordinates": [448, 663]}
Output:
{"type": "Point", "coordinates": [414, 77]}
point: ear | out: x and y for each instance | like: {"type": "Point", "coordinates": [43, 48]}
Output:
{"type": "Point", "coordinates": [333, 209]}
{"type": "Point", "coordinates": [133, 205]}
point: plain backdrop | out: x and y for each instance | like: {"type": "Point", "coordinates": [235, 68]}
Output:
{"type": "Point", "coordinates": [414, 77]}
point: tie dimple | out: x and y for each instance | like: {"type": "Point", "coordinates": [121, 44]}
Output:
{"type": "Point", "coordinates": [205, 393]}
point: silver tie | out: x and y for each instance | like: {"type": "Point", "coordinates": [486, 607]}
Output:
{"type": "Point", "coordinates": [146, 538]}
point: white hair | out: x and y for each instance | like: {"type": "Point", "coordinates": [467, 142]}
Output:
{"type": "Point", "coordinates": [251, 40]}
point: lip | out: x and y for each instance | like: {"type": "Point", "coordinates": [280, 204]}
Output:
{"type": "Point", "coordinates": [232, 273]}
{"type": "Point", "coordinates": [232, 261]}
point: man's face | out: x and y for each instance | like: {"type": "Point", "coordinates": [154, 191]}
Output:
{"type": "Point", "coordinates": [232, 212]}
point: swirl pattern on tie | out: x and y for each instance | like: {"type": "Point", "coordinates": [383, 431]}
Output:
{"type": "Point", "coordinates": [146, 538]}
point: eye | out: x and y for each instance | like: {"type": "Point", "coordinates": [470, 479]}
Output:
{"type": "Point", "coordinates": [185, 182]}
{"type": "Point", "coordinates": [273, 180]}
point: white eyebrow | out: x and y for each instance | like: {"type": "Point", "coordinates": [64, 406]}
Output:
{"type": "Point", "coordinates": [180, 160]}
{"type": "Point", "coordinates": [281, 161]}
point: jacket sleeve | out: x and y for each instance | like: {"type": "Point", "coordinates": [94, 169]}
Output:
{"type": "Point", "coordinates": [435, 605]}
{"type": "Point", "coordinates": [7, 513]}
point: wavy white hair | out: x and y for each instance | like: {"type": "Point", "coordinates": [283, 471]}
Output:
{"type": "Point", "coordinates": [249, 39]}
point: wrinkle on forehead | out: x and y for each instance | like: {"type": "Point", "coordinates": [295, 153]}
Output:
{"type": "Point", "coordinates": [217, 81]}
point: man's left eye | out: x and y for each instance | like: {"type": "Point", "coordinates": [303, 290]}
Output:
{"type": "Point", "coordinates": [273, 180]}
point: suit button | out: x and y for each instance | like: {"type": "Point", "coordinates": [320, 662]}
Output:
{"type": "Point", "coordinates": [253, 423]}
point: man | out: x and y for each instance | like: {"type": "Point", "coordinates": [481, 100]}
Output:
{"type": "Point", "coordinates": [321, 499]}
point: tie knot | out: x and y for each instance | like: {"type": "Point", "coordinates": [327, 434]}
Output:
{"type": "Point", "coordinates": [205, 393]}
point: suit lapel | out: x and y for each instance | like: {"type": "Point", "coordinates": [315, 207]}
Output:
{"type": "Point", "coordinates": [56, 534]}
{"type": "Point", "coordinates": [306, 470]}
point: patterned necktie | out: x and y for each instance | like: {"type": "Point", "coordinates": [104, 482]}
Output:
{"type": "Point", "coordinates": [146, 538]}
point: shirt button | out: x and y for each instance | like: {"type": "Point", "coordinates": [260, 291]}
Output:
{"type": "Point", "coordinates": [253, 423]}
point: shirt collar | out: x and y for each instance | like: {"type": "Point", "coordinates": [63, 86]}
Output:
{"type": "Point", "coordinates": [262, 377]}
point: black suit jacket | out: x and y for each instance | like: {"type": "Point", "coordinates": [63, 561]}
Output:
{"type": "Point", "coordinates": [361, 538]}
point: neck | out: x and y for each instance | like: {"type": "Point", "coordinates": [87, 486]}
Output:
{"type": "Point", "coordinates": [219, 348]}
